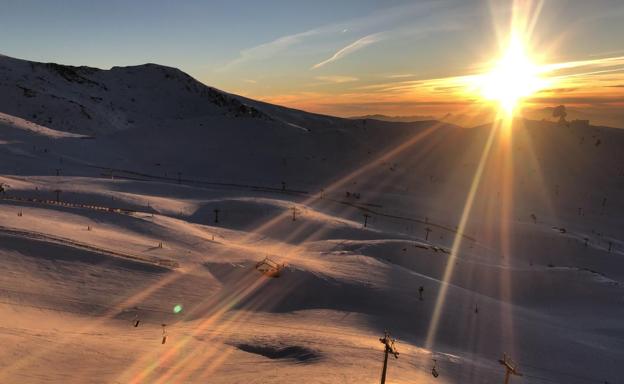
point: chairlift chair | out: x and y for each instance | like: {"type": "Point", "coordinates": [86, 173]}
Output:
{"type": "Point", "coordinates": [270, 268]}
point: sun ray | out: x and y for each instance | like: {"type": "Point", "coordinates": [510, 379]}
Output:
{"type": "Point", "coordinates": [450, 265]}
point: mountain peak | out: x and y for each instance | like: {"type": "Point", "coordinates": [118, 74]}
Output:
{"type": "Point", "coordinates": [93, 101]}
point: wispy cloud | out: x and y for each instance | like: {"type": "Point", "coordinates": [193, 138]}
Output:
{"type": "Point", "coordinates": [422, 29]}
{"type": "Point", "coordinates": [379, 20]}
{"type": "Point", "coordinates": [271, 48]}
{"type": "Point", "coordinates": [593, 100]}
{"type": "Point", "coordinates": [349, 49]}
{"type": "Point", "coordinates": [606, 62]}
{"type": "Point", "coordinates": [569, 77]}
{"type": "Point", "coordinates": [337, 79]}
{"type": "Point", "coordinates": [399, 75]}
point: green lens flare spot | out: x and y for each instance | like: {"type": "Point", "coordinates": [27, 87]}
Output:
{"type": "Point", "coordinates": [177, 308]}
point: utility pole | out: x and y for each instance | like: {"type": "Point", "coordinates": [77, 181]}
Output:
{"type": "Point", "coordinates": [294, 211]}
{"type": "Point", "coordinates": [58, 195]}
{"type": "Point", "coordinates": [216, 212]}
{"type": "Point", "coordinates": [366, 216]}
{"type": "Point", "coordinates": [510, 368]}
{"type": "Point", "coordinates": [388, 342]}
{"type": "Point", "coordinates": [427, 235]}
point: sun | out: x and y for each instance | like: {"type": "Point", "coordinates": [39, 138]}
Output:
{"type": "Point", "coordinates": [512, 78]}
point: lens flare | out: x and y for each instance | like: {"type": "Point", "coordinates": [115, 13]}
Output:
{"type": "Point", "coordinates": [513, 77]}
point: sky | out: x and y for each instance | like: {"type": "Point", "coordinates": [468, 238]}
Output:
{"type": "Point", "coordinates": [345, 58]}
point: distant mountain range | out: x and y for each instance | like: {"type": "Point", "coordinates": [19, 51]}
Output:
{"type": "Point", "coordinates": [402, 119]}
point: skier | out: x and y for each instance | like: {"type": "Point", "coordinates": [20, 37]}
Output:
{"type": "Point", "coordinates": [434, 369]}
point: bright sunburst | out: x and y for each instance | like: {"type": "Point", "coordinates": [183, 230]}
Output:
{"type": "Point", "coordinates": [513, 77]}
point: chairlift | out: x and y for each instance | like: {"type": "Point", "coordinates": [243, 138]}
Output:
{"type": "Point", "coordinates": [270, 268]}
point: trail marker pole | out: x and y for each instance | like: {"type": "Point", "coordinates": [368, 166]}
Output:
{"type": "Point", "coordinates": [428, 230]}
{"type": "Point", "coordinates": [164, 334]}
{"type": "Point", "coordinates": [389, 347]}
{"type": "Point", "coordinates": [510, 368]}
{"type": "Point", "coordinates": [366, 216]}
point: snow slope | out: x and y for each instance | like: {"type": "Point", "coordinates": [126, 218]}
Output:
{"type": "Point", "coordinates": [141, 158]}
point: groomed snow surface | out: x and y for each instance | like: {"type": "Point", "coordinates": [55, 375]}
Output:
{"type": "Point", "coordinates": [138, 195]}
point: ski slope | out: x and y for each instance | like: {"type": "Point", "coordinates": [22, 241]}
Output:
{"type": "Point", "coordinates": [112, 180]}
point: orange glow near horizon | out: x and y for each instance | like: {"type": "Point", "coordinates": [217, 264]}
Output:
{"type": "Point", "coordinates": [524, 80]}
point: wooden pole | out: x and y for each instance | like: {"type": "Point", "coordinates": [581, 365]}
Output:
{"type": "Point", "coordinates": [507, 376]}
{"type": "Point", "coordinates": [385, 366]}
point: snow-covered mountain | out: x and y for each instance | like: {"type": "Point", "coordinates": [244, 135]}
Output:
{"type": "Point", "coordinates": [93, 101]}
{"type": "Point", "coordinates": [130, 190]}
